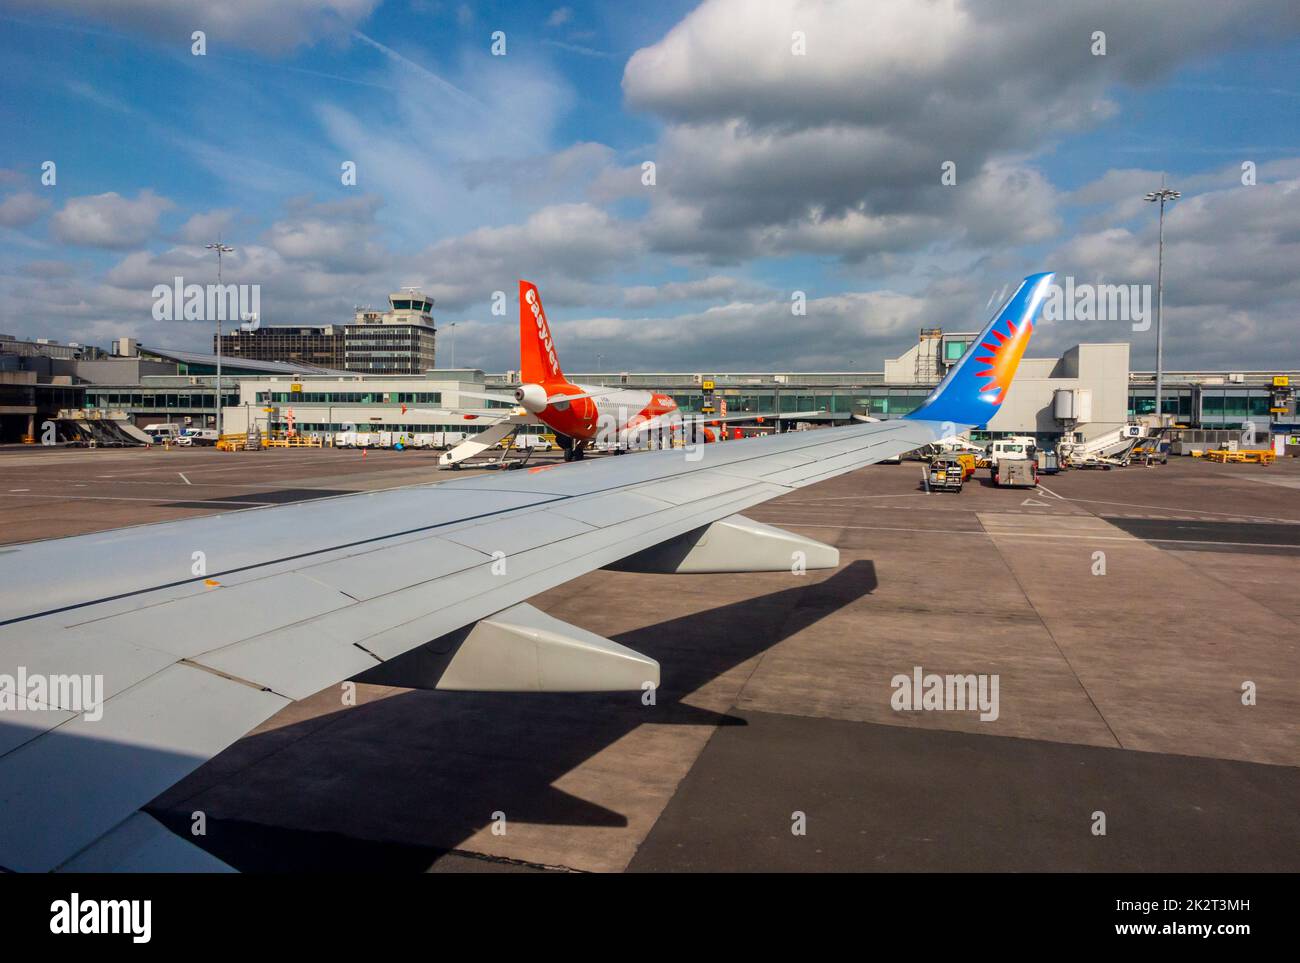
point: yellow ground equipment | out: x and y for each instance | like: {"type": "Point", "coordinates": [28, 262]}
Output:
{"type": "Point", "coordinates": [239, 442]}
{"type": "Point", "coordinates": [291, 441]}
{"type": "Point", "coordinates": [1242, 456]}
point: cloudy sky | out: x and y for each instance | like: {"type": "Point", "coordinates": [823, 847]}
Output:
{"type": "Point", "coordinates": [797, 146]}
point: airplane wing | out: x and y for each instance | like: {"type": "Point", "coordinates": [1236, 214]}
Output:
{"type": "Point", "coordinates": [199, 630]}
{"type": "Point", "coordinates": [688, 419]}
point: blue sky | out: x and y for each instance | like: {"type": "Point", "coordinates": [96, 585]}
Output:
{"type": "Point", "coordinates": [774, 174]}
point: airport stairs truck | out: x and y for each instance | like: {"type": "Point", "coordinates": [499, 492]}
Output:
{"type": "Point", "coordinates": [1108, 450]}
{"type": "Point", "coordinates": [111, 429]}
{"type": "Point", "coordinates": [1072, 407]}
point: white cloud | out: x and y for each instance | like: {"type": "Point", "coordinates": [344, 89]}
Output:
{"type": "Point", "coordinates": [838, 330]}
{"type": "Point", "coordinates": [334, 234]}
{"type": "Point", "coordinates": [49, 269]}
{"type": "Point", "coordinates": [936, 65]}
{"type": "Point", "coordinates": [21, 209]}
{"type": "Point", "coordinates": [205, 227]}
{"type": "Point", "coordinates": [839, 151]}
{"type": "Point", "coordinates": [270, 26]}
{"type": "Point", "coordinates": [444, 155]}
{"type": "Point", "coordinates": [563, 247]}
{"type": "Point", "coordinates": [713, 288]}
{"type": "Point", "coordinates": [109, 220]}
{"type": "Point", "coordinates": [1232, 294]}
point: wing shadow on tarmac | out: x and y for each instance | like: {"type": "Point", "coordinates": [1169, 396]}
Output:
{"type": "Point", "coordinates": [430, 768]}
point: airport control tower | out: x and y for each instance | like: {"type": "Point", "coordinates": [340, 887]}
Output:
{"type": "Point", "coordinates": [397, 341]}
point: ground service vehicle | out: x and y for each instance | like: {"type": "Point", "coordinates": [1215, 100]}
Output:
{"type": "Point", "coordinates": [197, 437]}
{"type": "Point", "coordinates": [163, 431]}
{"type": "Point", "coordinates": [947, 474]}
{"type": "Point", "coordinates": [1015, 473]}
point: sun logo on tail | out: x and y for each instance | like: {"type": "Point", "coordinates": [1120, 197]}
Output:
{"type": "Point", "coordinates": [1002, 358]}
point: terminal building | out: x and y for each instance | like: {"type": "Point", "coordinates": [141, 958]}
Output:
{"type": "Point", "coordinates": [1104, 394]}
{"type": "Point", "coordinates": [399, 341]}
{"type": "Point", "coordinates": [37, 379]}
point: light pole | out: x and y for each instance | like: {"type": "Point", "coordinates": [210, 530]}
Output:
{"type": "Point", "coordinates": [1162, 195]}
{"type": "Point", "coordinates": [452, 325]}
{"type": "Point", "coordinates": [220, 249]}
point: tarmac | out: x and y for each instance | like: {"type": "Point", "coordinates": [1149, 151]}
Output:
{"type": "Point", "coordinates": [1140, 624]}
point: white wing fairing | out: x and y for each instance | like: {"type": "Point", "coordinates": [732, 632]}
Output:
{"type": "Point", "coordinates": [299, 597]}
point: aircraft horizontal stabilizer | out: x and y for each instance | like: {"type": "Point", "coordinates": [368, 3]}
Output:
{"type": "Point", "coordinates": [733, 544]}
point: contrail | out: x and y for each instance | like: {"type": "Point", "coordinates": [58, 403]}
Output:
{"type": "Point", "coordinates": [424, 71]}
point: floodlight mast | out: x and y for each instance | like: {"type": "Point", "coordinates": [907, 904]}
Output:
{"type": "Point", "coordinates": [1162, 196]}
{"type": "Point", "coordinates": [220, 249]}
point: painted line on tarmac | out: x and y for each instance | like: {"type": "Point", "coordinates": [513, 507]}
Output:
{"type": "Point", "coordinates": [1228, 516]}
{"type": "Point", "coordinates": [840, 498]}
{"type": "Point", "coordinates": [1084, 538]}
{"type": "Point", "coordinates": [129, 498]}
{"type": "Point", "coordinates": [279, 460]}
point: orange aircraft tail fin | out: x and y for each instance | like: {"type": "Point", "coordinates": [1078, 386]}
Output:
{"type": "Point", "coordinates": [538, 362]}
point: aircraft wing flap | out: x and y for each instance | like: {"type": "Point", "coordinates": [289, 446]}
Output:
{"type": "Point", "coordinates": [44, 576]}
{"type": "Point", "coordinates": [412, 618]}
{"type": "Point", "coordinates": [49, 650]}
{"type": "Point", "coordinates": [382, 570]}
{"type": "Point", "coordinates": [609, 509]}
{"type": "Point", "coordinates": [517, 532]}
{"type": "Point", "coordinates": [73, 666]}
{"type": "Point", "coordinates": [65, 789]}
{"type": "Point", "coordinates": [294, 662]}
{"type": "Point", "coordinates": [141, 844]}
{"type": "Point", "coordinates": [693, 486]}
{"type": "Point", "coordinates": [768, 467]}
{"type": "Point", "coordinates": [25, 721]}
{"type": "Point", "coordinates": [190, 626]}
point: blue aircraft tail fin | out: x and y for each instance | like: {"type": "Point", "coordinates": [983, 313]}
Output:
{"type": "Point", "coordinates": [973, 391]}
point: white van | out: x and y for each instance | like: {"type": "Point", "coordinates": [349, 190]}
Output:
{"type": "Point", "coordinates": [1011, 449]}
{"type": "Point", "coordinates": [168, 431]}
{"type": "Point", "coordinates": [356, 439]}
{"type": "Point", "coordinates": [197, 436]}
